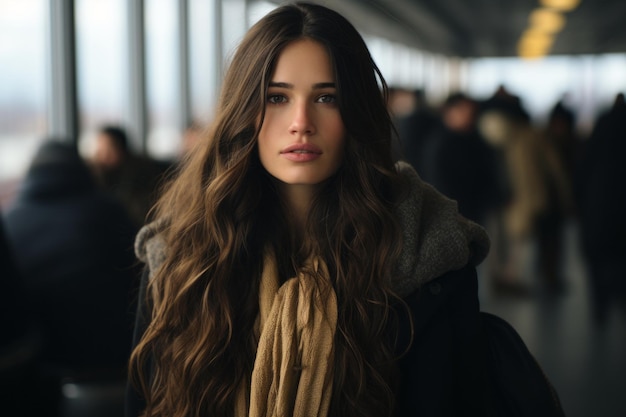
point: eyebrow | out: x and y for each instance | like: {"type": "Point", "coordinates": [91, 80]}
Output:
{"type": "Point", "coordinates": [316, 86]}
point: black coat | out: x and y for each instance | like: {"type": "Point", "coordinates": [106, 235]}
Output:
{"type": "Point", "coordinates": [443, 372]}
{"type": "Point", "coordinates": [73, 247]}
{"type": "Point", "coordinates": [600, 192]}
{"type": "Point", "coordinates": [463, 166]}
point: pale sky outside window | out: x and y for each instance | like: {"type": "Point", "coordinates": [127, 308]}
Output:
{"type": "Point", "coordinates": [23, 72]}
{"type": "Point", "coordinates": [204, 76]}
{"type": "Point", "coordinates": [258, 9]}
{"type": "Point", "coordinates": [614, 66]}
{"type": "Point", "coordinates": [102, 65]}
{"type": "Point", "coordinates": [161, 22]}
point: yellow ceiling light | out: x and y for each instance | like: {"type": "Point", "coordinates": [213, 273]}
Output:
{"type": "Point", "coordinates": [546, 20]}
{"type": "Point", "coordinates": [536, 38]}
{"type": "Point", "coordinates": [534, 43]}
{"type": "Point", "coordinates": [562, 5]}
{"type": "Point", "coordinates": [543, 24]}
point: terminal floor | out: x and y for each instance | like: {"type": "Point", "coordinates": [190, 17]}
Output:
{"type": "Point", "coordinates": [586, 362]}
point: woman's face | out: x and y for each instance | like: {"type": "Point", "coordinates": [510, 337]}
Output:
{"type": "Point", "coordinates": [302, 139]}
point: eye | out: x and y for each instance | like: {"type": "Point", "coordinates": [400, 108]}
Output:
{"type": "Point", "coordinates": [276, 98]}
{"type": "Point", "coordinates": [327, 98]}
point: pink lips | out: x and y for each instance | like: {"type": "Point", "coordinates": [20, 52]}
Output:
{"type": "Point", "coordinates": [301, 152]}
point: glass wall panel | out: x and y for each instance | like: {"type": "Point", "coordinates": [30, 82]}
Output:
{"type": "Point", "coordinates": [258, 9]}
{"type": "Point", "coordinates": [162, 82]}
{"type": "Point", "coordinates": [23, 75]}
{"type": "Point", "coordinates": [612, 79]}
{"type": "Point", "coordinates": [102, 65]}
{"type": "Point", "coordinates": [205, 69]}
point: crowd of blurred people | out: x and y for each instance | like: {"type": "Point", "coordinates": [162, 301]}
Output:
{"type": "Point", "coordinates": [525, 181]}
{"type": "Point", "coordinates": [69, 273]}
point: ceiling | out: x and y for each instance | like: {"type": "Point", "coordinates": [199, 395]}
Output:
{"type": "Point", "coordinates": [486, 28]}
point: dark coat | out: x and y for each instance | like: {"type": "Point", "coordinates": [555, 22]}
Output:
{"type": "Point", "coordinates": [451, 368]}
{"type": "Point", "coordinates": [11, 294]}
{"type": "Point", "coordinates": [600, 192]}
{"type": "Point", "coordinates": [442, 374]}
{"type": "Point", "coordinates": [462, 166]}
{"type": "Point", "coordinates": [464, 361]}
{"type": "Point", "coordinates": [73, 247]}
{"type": "Point", "coordinates": [20, 340]}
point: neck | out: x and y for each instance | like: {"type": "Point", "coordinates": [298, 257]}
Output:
{"type": "Point", "coordinates": [298, 199]}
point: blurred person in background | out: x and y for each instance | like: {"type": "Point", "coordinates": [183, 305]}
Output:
{"type": "Point", "coordinates": [73, 248]}
{"type": "Point", "coordinates": [400, 103]}
{"type": "Point", "coordinates": [601, 204]}
{"type": "Point", "coordinates": [414, 130]}
{"type": "Point", "coordinates": [536, 180]}
{"type": "Point", "coordinates": [458, 161]}
{"type": "Point", "coordinates": [561, 132]}
{"type": "Point", "coordinates": [20, 341]}
{"type": "Point", "coordinates": [556, 164]}
{"type": "Point", "coordinates": [131, 178]}
{"type": "Point", "coordinates": [191, 136]}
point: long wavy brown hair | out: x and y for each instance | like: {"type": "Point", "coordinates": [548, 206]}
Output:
{"type": "Point", "coordinates": [222, 211]}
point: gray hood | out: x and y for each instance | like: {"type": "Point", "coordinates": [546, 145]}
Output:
{"type": "Point", "coordinates": [437, 239]}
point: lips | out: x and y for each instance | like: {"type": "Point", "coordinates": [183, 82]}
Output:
{"type": "Point", "coordinates": [302, 148]}
{"type": "Point", "coordinates": [301, 152]}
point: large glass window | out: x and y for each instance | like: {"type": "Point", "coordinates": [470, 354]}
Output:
{"type": "Point", "coordinates": [162, 71]}
{"type": "Point", "coordinates": [102, 65]}
{"type": "Point", "coordinates": [205, 69]}
{"type": "Point", "coordinates": [258, 9]}
{"type": "Point", "coordinates": [23, 74]}
{"type": "Point", "coordinates": [612, 79]}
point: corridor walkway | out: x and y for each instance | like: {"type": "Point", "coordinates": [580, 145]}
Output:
{"type": "Point", "coordinates": [586, 362]}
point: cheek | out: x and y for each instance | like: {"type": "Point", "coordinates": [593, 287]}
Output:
{"type": "Point", "coordinates": [265, 146]}
{"type": "Point", "coordinates": [269, 127]}
{"type": "Point", "coordinates": [339, 141]}
{"type": "Point", "coordinates": [262, 145]}
{"type": "Point", "coordinates": [337, 130]}
{"type": "Point", "coordinates": [264, 135]}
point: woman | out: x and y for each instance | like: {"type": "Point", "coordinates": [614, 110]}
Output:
{"type": "Point", "coordinates": [292, 268]}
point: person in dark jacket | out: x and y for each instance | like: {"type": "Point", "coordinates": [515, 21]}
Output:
{"type": "Point", "coordinates": [460, 163]}
{"type": "Point", "coordinates": [20, 339]}
{"type": "Point", "coordinates": [131, 178]}
{"type": "Point", "coordinates": [601, 202]}
{"type": "Point", "coordinates": [73, 247]}
{"type": "Point", "coordinates": [414, 131]}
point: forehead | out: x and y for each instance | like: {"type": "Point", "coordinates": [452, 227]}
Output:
{"type": "Point", "coordinates": [303, 59]}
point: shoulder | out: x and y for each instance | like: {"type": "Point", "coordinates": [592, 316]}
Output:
{"type": "Point", "coordinates": [437, 239]}
{"type": "Point", "coordinates": [150, 246]}
{"type": "Point", "coordinates": [452, 291]}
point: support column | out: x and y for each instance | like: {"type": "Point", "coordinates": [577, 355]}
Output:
{"type": "Point", "coordinates": [138, 114]}
{"type": "Point", "coordinates": [62, 97]}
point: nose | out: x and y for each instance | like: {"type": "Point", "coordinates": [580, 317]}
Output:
{"type": "Point", "coordinates": [301, 120]}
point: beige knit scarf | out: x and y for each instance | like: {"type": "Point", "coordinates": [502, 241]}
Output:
{"type": "Point", "coordinates": [293, 369]}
